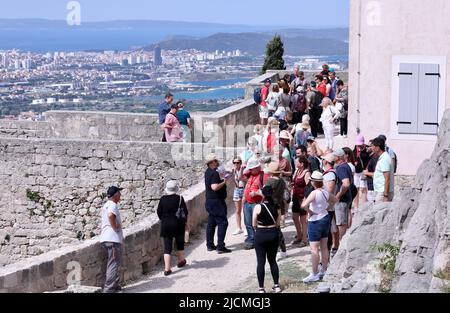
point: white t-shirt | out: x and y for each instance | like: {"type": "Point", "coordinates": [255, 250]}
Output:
{"type": "Point", "coordinates": [352, 167]}
{"type": "Point", "coordinates": [319, 205]}
{"type": "Point", "coordinates": [108, 234]}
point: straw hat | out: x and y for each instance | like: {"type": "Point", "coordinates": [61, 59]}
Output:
{"type": "Point", "coordinates": [210, 158]}
{"type": "Point", "coordinates": [273, 168]}
{"type": "Point", "coordinates": [285, 135]}
{"type": "Point", "coordinates": [171, 187]}
{"type": "Point", "coordinates": [317, 176]}
{"type": "Point", "coordinates": [252, 164]}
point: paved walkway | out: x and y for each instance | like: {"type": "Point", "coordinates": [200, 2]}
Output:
{"type": "Point", "coordinates": [209, 272]}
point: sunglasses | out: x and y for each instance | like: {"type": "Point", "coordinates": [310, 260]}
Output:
{"type": "Point", "coordinates": [236, 162]}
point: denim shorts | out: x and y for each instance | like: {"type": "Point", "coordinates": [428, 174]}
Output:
{"type": "Point", "coordinates": [238, 194]}
{"type": "Point", "coordinates": [318, 230]}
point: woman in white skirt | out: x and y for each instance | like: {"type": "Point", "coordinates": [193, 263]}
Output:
{"type": "Point", "coordinates": [328, 118]}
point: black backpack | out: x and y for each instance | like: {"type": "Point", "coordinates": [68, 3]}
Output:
{"type": "Point", "coordinates": [317, 99]}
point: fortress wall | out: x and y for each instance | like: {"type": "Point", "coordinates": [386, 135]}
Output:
{"type": "Point", "coordinates": [53, 190]}
{"type": "Point", "coordinates": [85, 263]}
{"type": "Point", "coordinates": [103, 126]}
{"type": "Point", "coordinates": [23, 129]}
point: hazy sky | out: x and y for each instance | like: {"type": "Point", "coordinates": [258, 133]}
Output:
{"type": "Point", "coordinates": [253, 12]}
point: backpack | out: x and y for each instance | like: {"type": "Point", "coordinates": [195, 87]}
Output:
{"type": "Point", "coordinates": [317, 99]}
{"type": "Point", "coordinates": [257, 97]}
{"type": "Point", "coordinates": [395, 160]}
{"type": "Point", "coordinates": [352, 188]}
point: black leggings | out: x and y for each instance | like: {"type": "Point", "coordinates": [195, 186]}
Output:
{"type": "Point", "coordinates": [344, 126]}
{"type": "Point", "coordinates": [168, 244]}
{"type": "Point", "coordinates": [266, 246]}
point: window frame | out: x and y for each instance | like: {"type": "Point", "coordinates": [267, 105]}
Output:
{"type": "Point", "coordinates": [395, 93]}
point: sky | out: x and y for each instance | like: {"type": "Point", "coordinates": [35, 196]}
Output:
{"type": "Point", "coordinates": [249, 12]}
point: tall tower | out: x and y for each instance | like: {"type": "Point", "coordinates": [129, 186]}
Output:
{"type": "Point", "coordinates": [157, 59]}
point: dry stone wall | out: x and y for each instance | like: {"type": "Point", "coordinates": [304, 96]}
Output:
{"type": "Point", "coordinates": [53, 190]}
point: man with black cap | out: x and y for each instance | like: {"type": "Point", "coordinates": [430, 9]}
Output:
{"type": "Point", "coordinates": [111, 238]}
{"type": "Point", "coordinates": [163, 110]}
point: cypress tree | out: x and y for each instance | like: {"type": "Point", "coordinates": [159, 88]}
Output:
{"type": "Point", "coordinates": [274, 55]}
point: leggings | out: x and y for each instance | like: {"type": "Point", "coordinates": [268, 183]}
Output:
{"type": "Point", "coordinates": [266, 246]}
{"type": "Point", "coordinates": [168, 244]}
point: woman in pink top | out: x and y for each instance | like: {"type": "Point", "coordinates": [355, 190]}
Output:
{"type": "Point", "coordinates": [172, 126]}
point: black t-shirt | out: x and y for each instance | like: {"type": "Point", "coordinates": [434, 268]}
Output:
{"type": "Point", "coordinates": [371, 168]}
{"type": "Point", "coordinates": [344, 171]}
{"type": "Point", "coordinates": [213, 177]}
{"type": "Point", "coordinates": [314, 164]}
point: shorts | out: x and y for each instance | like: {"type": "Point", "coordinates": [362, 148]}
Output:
{"type": "Point", "coordinates": [341, 210]}
{"type": "Point", "coordinates": [238, 194]}
{"type": "Point", "coordinates": [318, 230]}
{"type": "Point", "coordinates": [360, 183]}
{"type": "Point", "coordinates": [296, 208]}
{"type": "Point", "coordinates": [263, 112]}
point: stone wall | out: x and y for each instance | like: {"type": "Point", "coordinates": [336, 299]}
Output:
{"type": "Point", "coordinates": [417, 222]}
{"type": "Point", "coordinates": [103, 126]}
{"type": "Point", "coordinates": [143, 249]}
{"type": "Point", "coordinates": [23, 129]}
{"type": "Point", "coordinates": [53, 190]}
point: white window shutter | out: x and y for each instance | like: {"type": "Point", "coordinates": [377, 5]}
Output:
{"type": "Point", "coordinates": [409, 98]}
{"type": "Point", "coordinates": [428, 112]}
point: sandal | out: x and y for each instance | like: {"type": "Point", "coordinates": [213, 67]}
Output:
{"type": "Point", "coordinates": [182, 263]}
{"type": "Point", "coordinates": [304, 244]}
{"type": "Point", "coordinates": [296, 242]}
{"type": "Point", "coordinates": [167, 273]}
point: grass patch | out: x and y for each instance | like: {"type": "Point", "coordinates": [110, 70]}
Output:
{"type": "Point", "coordinates": [387, 265]}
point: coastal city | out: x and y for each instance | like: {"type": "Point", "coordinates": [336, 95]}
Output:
{"type": "Point", "coordinates": [132, 81]}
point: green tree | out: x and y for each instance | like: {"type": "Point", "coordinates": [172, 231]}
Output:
{"type": "Point", "coordinates": [274, 55]}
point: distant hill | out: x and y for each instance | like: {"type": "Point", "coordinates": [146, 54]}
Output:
{"type": "Point", "coordinates": [41, 35]}
{"type": "Point", "coordinates": [310, 43]}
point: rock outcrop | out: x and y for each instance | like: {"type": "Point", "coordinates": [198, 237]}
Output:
{"type": "Point", "coordinates": [416, 225]}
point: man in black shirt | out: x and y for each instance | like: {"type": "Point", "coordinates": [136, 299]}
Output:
{"type": "Point", "coordinates": [216, 193]}
{"type": "Point", "coordinates": [369, 172]}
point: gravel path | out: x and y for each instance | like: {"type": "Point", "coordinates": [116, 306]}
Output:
{"type": "Point", "coordinates": [209, 272]}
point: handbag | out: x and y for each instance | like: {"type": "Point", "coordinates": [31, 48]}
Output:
{"type": "Point", "coordinates": [180, 212]}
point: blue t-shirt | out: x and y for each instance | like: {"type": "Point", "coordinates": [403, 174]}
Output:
{"type": "Point", "coordinates": [183, 116]}
{"type": "Point", "coordinates": [332, 94]}
{"type": "Point", "coordinates": [163, 110]}
{"type": "Point", "coordinates": [344, 171]}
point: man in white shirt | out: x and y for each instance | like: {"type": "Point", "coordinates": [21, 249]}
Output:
{"type": "Point", "coordinates": [111, 238]}
{"type": "Point", "coordinates": [383, 177]}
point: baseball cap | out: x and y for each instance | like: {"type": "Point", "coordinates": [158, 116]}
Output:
{"type": "Point", "coordinates": [112, 191]}
{"type": "Point", "coordinates": [310, 138]}
{"type": "Point", "coordinates": [168, 94]}
{"type": "Point", "coordinates": [383, 137]}
{"type": "Point", "coordinates": [331, 70]}
{"type": "Point", "coordinates": [174, 106]}
{"type": "Point", "coordinates": [330, 158]}
{"type": "Point", "coordinates": [267, 80]}
{"type": "Point", "coordinates": [339, 153]}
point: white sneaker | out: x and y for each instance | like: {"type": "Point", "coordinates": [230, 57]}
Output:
{"type": "Point", "coordinates": [281, 255]}
{"type": "Point", "coordinates": [321, 271]}
{"type": "Point", "coordinates": [261, 290]}
{"type": "Point", "coordinates": [312, 278]}
{"type": "Point", "coordinates": [276, 289]}
{"type": "Point", "coordinates": [238, 232]}
{"type": "Point", "coordinates": [345, 136]}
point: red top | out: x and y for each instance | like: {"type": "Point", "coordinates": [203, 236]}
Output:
{"type": "Point", "coordinates": [323, 89]}
{"type": "Point", "coordinates": [253, 184]}
{"type": "Point", "coordinates": [299, 185]}
{"type": "Point", "coordinates": [264, 94]}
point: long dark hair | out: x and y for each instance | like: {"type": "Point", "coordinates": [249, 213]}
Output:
{"type": "Point", "coordinates": [350, 155]}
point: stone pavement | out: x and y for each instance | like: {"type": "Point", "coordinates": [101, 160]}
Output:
{"type": "Point", "coordinates": [209, 272]}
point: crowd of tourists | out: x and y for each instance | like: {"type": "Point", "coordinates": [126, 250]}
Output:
{"type": "Point", "coordinates": [282, 173]}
